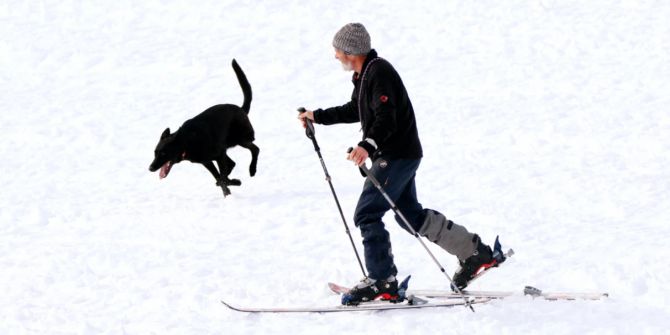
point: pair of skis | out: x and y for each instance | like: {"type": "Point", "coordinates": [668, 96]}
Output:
{"type": "Point", "coordinates": [423, 299]}
{"type": "Point", "coordinates": [377, 305]}
{"type": "Point", "coordinates": [405, 302]}
{"type": "Point", "coordinates": [415, 299]}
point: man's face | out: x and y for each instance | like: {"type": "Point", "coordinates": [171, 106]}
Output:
{"type": "Point", "coordinates": [345, 59]}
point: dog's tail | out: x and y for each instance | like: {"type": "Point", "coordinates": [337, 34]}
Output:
{"type": "Point", "coordinates": [244, 83]}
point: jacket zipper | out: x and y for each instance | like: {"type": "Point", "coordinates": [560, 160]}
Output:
{"type": "Point", "coordinates": [360, 91]}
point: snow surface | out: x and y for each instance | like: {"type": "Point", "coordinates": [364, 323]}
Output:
{"type": "Point", "coordinates": [546, 122]}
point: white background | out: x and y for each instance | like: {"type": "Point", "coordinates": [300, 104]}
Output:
{"type": "Point", "coordinates": [544, 122]}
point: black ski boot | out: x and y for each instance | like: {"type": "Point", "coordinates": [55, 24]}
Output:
{"type": "Point", "coordinates": [482, 258]}
{"type": "Point", "coordinates": [371, 289]}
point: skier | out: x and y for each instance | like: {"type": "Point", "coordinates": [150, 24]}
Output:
{"type": "Point", "coordinates": [390, 139]}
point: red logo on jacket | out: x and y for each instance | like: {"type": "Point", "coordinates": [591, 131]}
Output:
{"type": "Point", "coordinates": [383, 99]}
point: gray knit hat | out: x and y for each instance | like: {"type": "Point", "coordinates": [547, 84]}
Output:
{"type": "Point", "coordinates": [353, 39]}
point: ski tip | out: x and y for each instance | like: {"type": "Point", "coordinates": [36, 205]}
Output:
{"type": "Point", "coordinates": [536, 293]}
{"type": "Point", "coordinates": [232, 307]}
{"type": "Point", "coordinates": [227, 304]}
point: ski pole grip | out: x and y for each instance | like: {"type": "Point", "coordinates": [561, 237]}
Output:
{"type": "Point", "coordinates": [365, 172]}
{"type": "Point", "coordinates": [309, 131]}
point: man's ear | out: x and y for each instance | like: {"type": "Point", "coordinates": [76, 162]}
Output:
{"type": "Point", "coordinates": [165, 133]}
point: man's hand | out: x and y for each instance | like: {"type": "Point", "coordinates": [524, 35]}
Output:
{"type": "Point", "coordinates": [358, 156]}
{"type": "Point", "coordinates": [306, 115]}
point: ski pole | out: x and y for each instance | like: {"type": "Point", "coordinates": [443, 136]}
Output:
{"type": "Point", "coordinates": [397, 211]}
{"type": "Point", "coordinates": [309, 131]}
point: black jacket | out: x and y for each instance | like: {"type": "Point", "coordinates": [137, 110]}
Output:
{"type": "Point", "coordinates": [380, 102]}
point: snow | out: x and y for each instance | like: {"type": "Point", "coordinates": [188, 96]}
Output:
{"type": "Point", "coordinates": [544, 122]}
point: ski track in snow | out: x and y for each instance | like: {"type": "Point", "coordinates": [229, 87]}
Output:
{"type": "Point", "coordinates": [545, 122]}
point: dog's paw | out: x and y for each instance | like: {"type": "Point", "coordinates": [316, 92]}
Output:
{"type": "Point", "coordinates": [228, 182]}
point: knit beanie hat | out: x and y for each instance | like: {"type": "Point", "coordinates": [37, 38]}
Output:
{"type": "Point", "coordinates": [352, 39]}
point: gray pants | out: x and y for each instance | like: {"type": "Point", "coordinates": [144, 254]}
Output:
{"type": "Point", "coordinates": [453, 238]}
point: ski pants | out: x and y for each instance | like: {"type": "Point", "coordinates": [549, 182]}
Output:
{"type": "Point", "coordinates": [397, 177]}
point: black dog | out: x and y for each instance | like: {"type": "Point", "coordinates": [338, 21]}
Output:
{"type": "Point", "coordinates": [206, 137]}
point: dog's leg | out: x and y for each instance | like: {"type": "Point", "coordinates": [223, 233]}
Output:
{"type": "Point", "coordinates": [212, 169]}
{"type": "Point", "coordinates": [254, 156]}
{"type": "Point", "coordinates": [226, 166]}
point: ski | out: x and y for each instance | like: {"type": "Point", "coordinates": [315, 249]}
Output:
{"type": "Point", "coordinates": [377, 305]}
{"type": "Point", "coordinates": [527, 291]}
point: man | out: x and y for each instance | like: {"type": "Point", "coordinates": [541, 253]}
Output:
{"type": "Point", "coordinates": [390, 139]}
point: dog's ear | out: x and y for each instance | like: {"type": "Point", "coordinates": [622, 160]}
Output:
{"type": "Point", "coordinates": [165, 133]}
